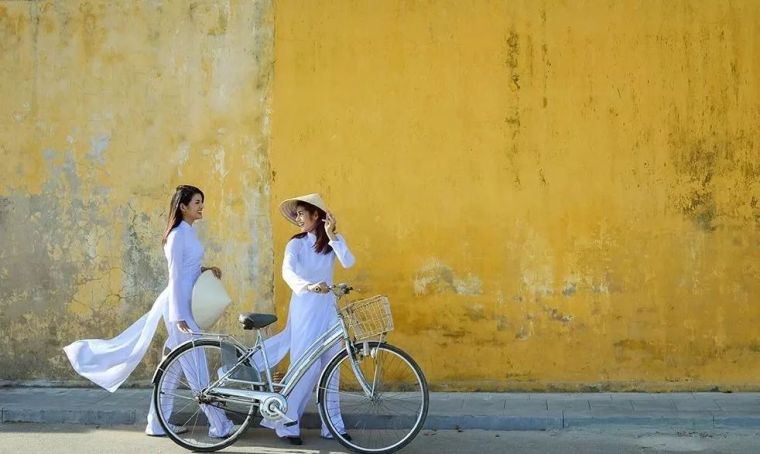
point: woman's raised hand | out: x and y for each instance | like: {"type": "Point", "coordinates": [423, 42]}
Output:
{"type": "Point", "coordinates": [331, 225]}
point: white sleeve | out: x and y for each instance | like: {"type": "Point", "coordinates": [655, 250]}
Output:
{"type": "Point", "coordinates": [297, 283]}
{"type": "Point", "coordinates": [341, 250]}
{"type": "Point", "coordinates": [177, 299]}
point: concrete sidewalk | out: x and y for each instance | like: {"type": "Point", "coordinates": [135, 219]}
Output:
{"type": "Point", "coordinates": [490, 411]}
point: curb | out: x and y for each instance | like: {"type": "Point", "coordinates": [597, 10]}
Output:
{"type": "Point", "coordinates": [83, 416]}
{"type": "Point", "coordinates": [311, 420]}
{"type": "Point", "coordinates": [448, 411]}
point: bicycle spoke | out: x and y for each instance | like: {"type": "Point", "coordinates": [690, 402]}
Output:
{"type": "Point", "coordinates": [389, 418]}
{"type": "Point", "coordinates": [186, 374]}
{"type": "Point", "coordinates": [178, 376]}
{"type": "Point", "coordinates": [174, 395]}
{"type": "Point", "coordinates": [345, 393]}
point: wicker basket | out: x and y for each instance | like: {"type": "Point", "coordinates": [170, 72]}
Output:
{"type": "Point", "coordinates": [368, 317]}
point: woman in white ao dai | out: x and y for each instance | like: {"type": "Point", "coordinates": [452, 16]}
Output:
{"type": "Point", "coordinates": [109, 362]}
{"type": "Point", "coordinates": [308, 270]}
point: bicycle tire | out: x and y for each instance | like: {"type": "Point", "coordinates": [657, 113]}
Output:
{"type": "Point", "coordinates": [197, 437]}
{"type": "Point", "coordinates": [385, 423]}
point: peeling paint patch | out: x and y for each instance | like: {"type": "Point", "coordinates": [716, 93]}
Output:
{"type": "Point", "coordinates": [437, 277]}
{"type": "Point", "coordinates": [476, 312]}
{"type": "Point", "coordinates": [696, 163]}
{"type": "Point", "coordinates": [469, 285]}
{"type": "Point", "coordinates": [570, 289]}
{"type": "Point", "coordinates": [513, 54]}
{"type": "Point", "coordinates": [538, 283]}
{"type": "Point", "coordinates": [711, 172]}
{"type": "Point", "coordinates": [98, 146]}
{"type": "Point", "coordinates": [183, 154]}
{"type": "Point", "coordinates": [536, 265]}
{"type": "Point", "coordinates": [557, 315]}
{"type": "Point", "coordinates": [601, 288]}
{"type": "Point", "coordinates": [219, 163]}
{"type": "Point", "coordinates": [5, 207]}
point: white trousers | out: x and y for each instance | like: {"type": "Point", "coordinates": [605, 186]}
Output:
{"type": "Point", "coordinates": [299, 397]}
{"type": "Point", "coordinates": [195, 370]}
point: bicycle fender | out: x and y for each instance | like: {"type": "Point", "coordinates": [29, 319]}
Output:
{"type": "Point", "coordinates": [168, 356]}
{"type": "Point", "coordinates": [159, 370]}
{"type": "Point", "coordinates": [358, 346]}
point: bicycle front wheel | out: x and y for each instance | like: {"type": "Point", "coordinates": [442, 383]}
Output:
{"type": "Point", "coordinates": [191, 420]}
{"type": "Point", "coordinates": [389, 417]}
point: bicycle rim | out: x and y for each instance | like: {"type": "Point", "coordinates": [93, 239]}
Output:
{"type": "Point", "coordinates": [383, 423]}
{"type": "Point", "coordinates": [194, 424]}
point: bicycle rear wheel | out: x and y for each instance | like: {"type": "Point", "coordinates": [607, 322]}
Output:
{"type": "Point", "coordinates": [385, 421]}
{"type": "Point", "coordinates": [191, 421]}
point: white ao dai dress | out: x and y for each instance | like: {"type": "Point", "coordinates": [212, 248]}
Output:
{"type": "Point", "coordinates": [108, 362]}
{"type": "Point", "coordinates": [310, 315]}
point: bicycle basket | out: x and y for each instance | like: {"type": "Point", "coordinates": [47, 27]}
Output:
{"type": "Point", "coordinates": [367, 318]}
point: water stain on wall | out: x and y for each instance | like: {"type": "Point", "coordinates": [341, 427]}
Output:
{"type": "Point", "coordinates": [718, 178]}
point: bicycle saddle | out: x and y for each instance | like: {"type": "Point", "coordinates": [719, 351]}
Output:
{"type": "Point", "coordinates": [251, 320]}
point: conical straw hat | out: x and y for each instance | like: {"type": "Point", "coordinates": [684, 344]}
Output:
{"type": "Point", "coordinates": [209, 300]}
{"type": "Point", "coordinates": [288, 207]}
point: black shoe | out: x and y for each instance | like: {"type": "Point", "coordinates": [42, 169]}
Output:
{"type": "Point", "coordinates": [293, 440]}
{"type": "Point", "coordinates": [345, 436]}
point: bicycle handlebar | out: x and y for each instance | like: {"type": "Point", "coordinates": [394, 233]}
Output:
{"type": "Point", "coordinates": [340, 289]}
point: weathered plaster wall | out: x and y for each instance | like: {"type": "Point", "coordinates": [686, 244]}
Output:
{"type": "Point", "coordinates": [554, 194]}
{"type": "Point", "coordinates": [104, 108]}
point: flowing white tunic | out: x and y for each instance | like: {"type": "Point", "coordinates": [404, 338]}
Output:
{"type": "Point", "coordinates": [310, 314]}
{"type": "Point", "coordinates": [108, 362]}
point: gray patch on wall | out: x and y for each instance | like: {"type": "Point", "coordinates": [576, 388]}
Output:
{"type": "Point", "coordinates": [48, 252]}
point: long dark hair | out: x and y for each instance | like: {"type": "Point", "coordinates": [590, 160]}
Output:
{"type": "Point", "coordinates": [321, 246]}
{"type": "Point", "coordinates": [183, 195]}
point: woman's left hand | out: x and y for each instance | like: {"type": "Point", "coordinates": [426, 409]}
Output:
{"type": "Point", "coordinates": [217, 272]}
{"type": "Point", "coordinates": [184, 327]}
{"type": "Point", "coordinates": [331, 225]}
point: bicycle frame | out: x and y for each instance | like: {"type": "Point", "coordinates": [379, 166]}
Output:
{"type": "Point", "coordinates": [337, 333]}
{"type": "Point", "coordinates": [233, 382]}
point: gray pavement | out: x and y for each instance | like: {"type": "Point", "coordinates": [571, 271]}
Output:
{"type": "Point", "coordinates": [487, 411]}
{"type": "Point", "coordinates": [79, 439]}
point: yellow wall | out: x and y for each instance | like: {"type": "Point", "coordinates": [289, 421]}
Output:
{"type": "Point", "coordinates": [104, 108]}
{"type": "Point", "coordinates": [555, 195]}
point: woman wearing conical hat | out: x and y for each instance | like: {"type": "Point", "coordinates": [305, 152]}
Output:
{"type": "Point", "coordinates": [307, 268]}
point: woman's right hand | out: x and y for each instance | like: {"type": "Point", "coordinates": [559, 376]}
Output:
{"type": "Point", "coordinates": [319, 287]}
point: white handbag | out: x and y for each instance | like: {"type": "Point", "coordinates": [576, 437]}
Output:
{"type": "Point", "coordinates": [209, 300]}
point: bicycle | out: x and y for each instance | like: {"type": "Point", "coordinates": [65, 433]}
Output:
{"type": "Point", "coordinates": [375, 392]}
